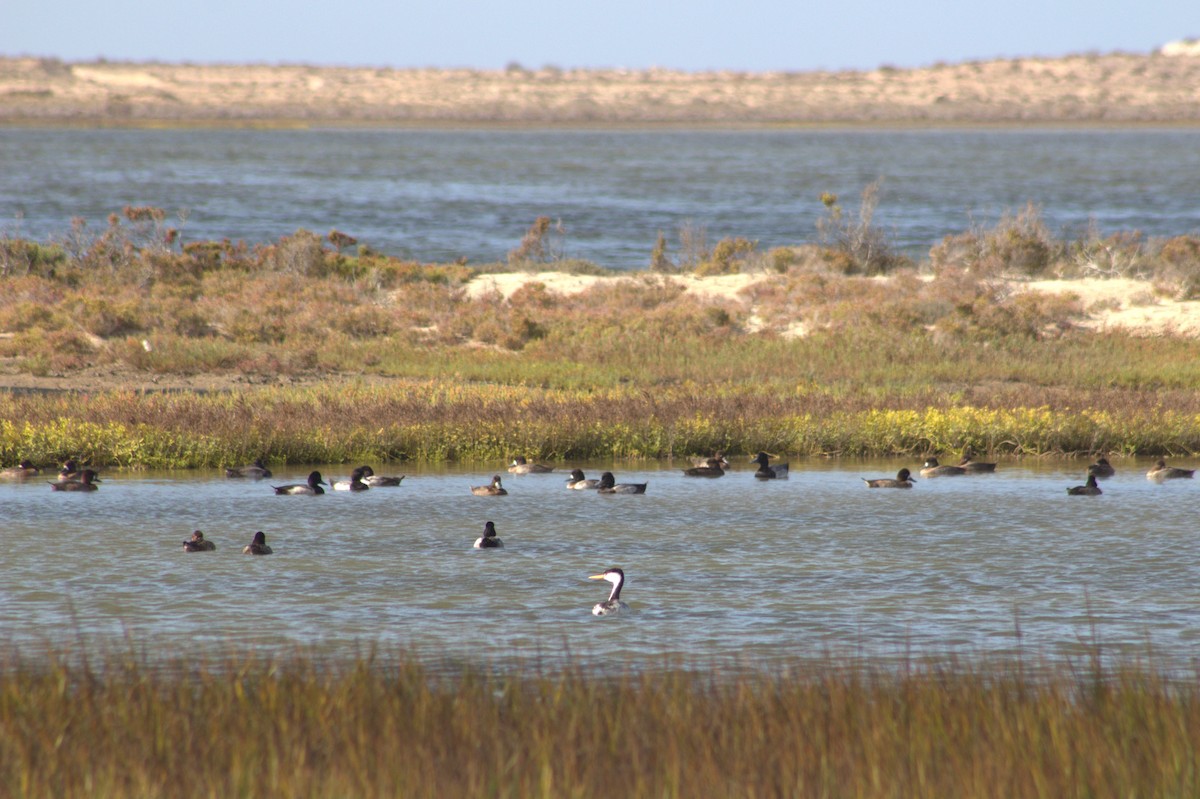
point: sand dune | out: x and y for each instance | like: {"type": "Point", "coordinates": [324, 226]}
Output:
{"type": "Point", "coordinates": [1116, 88]}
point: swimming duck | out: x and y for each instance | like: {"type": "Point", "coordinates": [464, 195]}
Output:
{"type": "Point", "coordinates": [312, 486]}
{"type": "Point", "coordinates": [767, 472]}
{"type": "Point", "coordinates": [1162, 471]}
{"type": "Point", "coordinates": [255, 471]}
{"type": "Point", "coordinates": [709, 468]}
{"type": "Point", "coordinates": [258, 546]}
{"type": "Point", "coordinates": [521, 466]}
{"type": "Point", "coordinates": [493, 489]}
{"type": "Point", "coordinates": [198, 543]}
{"type": "Point", "coordinates": [609, 485]}
{"type": "Point", "coordinates": [1102, 468]}
{"type": "Point", "coordinates": [355, 483]}
{"type": "Point", "coordinates": [613, 604]}
{"type": "Point", "coordinates": [86, 482]}
{"type": "Point", "coordinates": [904, 479]}
{"type": "Point", "coordinates": [579, 482]}
{"type": "Point", "coordinates": [717, 459]}
{"type": "Point", "coordinates": [971, 466]}
{"type": "Point", "coordinates": [933, 469]}
{"type": "Point", "coordinates": [1090, 489]}
{"type": "Point", "coordinates": [69, 471]}
{"type": "Point", "coordinates": [379, 480]}
{"type": "Point", "coordinates": [488, 540]}
{"type": "Point", "coordinates": [22, 471]}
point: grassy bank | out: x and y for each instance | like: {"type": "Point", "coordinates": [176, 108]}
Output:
{"type": "Point", "coordinates": [389, 727]}
{"type": "Point", "coordinates": [843, 348]}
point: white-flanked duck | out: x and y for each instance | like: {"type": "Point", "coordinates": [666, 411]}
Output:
{"type": "Point", "coordinates": [355, 483]}
{"type": "Point", "coordinates": [613, 604]}
{"type": "Point", "coordinates": [488, 540]}
{"type": "Point", "coordinates": [86, 482]}
{"type": "Point", "coordinates": [903, 479]}
{"type": "Point", "coordinates": [255, 471]}
{"type": "Point", "coordinates": [609, 485]}
{"type": "Point", "coordinates": [579, 483]}
{"type": "Point", "coordinates": [1162, 471]}
{"type": "Point", "coordinates": [492, 489]}
{"type": "Point", "coordinates": [198, 543]}
{"type": "Point", "coordinates": [380, 480]}
{"type": "Point", "coordinates": [258, 546]}
{"type": "Point", "coordinates": [522, 466]}
{"type": "Point", "coordinates": [934, 469]}
{"type": "Point", "coordinates": [22, 471]}
{"type": "Point", "coordinates": [766, 471]}
{"type": "Point", "coordinates": [311, 487]}
{"type": "Point", "coordinates": [1088, 489]}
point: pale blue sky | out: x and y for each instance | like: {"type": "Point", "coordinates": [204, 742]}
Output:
{"type": "Point", "coordinates": [680, 34]}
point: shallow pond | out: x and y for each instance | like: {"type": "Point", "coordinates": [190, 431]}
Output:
{"type": "Point", "coordinates": [724, 571]}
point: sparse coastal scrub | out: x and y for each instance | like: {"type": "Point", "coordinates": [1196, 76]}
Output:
{"type": "Point", "coordinates": [395, 725]}
{"type": "Point", "coordinates": [398, 360]}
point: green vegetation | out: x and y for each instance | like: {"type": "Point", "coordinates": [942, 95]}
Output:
{"type": "Point", "coordinates": [391, 726]}
{"type": "Point", "coordinates": [397, 360]}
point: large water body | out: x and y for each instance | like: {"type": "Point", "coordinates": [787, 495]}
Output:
{"type": "Point", "coordinates": [724, 572]}
{"type": "Point", "coordinates": [441, 195]}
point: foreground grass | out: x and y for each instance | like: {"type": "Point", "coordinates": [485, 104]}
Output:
{"type": "Point", "coordinates": [390, 727]}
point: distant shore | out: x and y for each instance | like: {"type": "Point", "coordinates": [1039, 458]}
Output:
{"type": "Point", "coordinates": [1112, 89]}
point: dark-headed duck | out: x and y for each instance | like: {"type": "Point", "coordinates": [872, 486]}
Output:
{"type": "Point", "coordinates": [86, 482]}
{"type": "Point", "coordinates": [713, 467]}
{"type": "Point", "coordinates": [609, 485]}
{"type": "Point", "coordinates": [258, 546]}
{"type": "Point", "coordinates": [971, 466]}
{"type": "Point", "coordinates": [578, 482]}
{"type": "Point", "coordinates": [1102, 468]}
{"type": "Point", "coordinates": [903, 479]}
{"type": "Point", "coordinates": [492, 489]}
{"type": "Point", "coordinates": [355, 483]}
{"type": "Point", "coordinates": [22, 471]}
{"type": "Point", "coordinates": [311, 487]}
{"type": "Point", "coordinates": [767, 472]}
{"type": "Point", "coordinates": [488, 540]}
{"type": "Point", "coordinates": [198, 543]}
{"type": "Point", "coordinates": [1089, 489]}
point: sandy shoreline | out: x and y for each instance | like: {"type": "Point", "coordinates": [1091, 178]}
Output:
{"type": "Point", "coordinates": [1091, 89]}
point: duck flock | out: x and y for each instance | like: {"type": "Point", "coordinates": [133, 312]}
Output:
{"type": "Point", "coordinates": [71, 478]}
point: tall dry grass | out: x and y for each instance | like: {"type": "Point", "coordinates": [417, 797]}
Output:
{"type": "Point", "coordinates": [392, 726]}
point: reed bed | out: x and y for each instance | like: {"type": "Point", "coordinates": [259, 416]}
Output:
{"type": "Point", "coordinates": [393, 726]}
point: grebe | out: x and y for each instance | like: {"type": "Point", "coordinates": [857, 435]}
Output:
{"type": "Point", "coordinates": [613, 604]}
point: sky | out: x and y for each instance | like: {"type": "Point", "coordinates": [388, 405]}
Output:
{"type": "Point", "coordinates": [750, 35]}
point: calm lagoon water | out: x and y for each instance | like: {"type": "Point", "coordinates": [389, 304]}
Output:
{"type": "Point", "coordinates": [440, 195]}
{"type": "Point", "coordinates": [720, 572]}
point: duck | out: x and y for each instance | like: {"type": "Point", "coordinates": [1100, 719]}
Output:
{"type": "Point", "coordinates": [86, 482]}
{"type": "Point", "coordinates": [1102, 468]}
{"type": "Point", "coordinates": [613, 605]}
{"type": "Point", "coordinates": [578, 482]}
{"type": "Point", "coordinates": [69, 471]}
{"type": "Point", "coordinates": [971, 466]}
{"type": "Point", "coordinates": [1162, 471]}
{"type": "Point", "coordinates": [713, 467]}
{"type": "Point", "coordinates": [1089, 489]}
{"type": "Point", "coordinates": [255, 471]}
{"type": "Point", "coordinates": [493, 489]}
{"type": "Point", "coordinates": [488, 540]}
{"type": "Point", "coordinates": [933, 469]}
{"type": "Point", "coordinates": [312, 486]}
{"type": "Point", "coordinates": [379, 480]}
{"type": "Point", "coordinates": [767, 472]}
{"type": "Point", "coordinates": [903, 479]}
{"type": "Point", "coordinates": [521, 466]}
{"type": "Point", "coordinates": [258, 546]}
{"type": "Point", "coordinates": [355, 483]}
{"type": "Point", "coordinates": [717, 459]}
{"type": "Point", "coordinates": [198, 543]}
{"type": "Point", "coordinates": [22, 471]}
{"type": "Point", "coordinates": [609, 485]}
